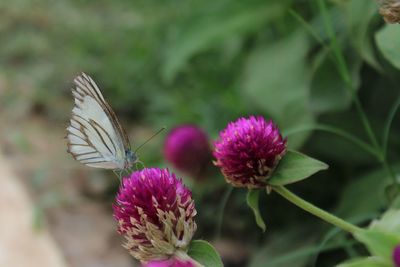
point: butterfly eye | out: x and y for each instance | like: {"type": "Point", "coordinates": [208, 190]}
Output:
{"type": "Point", "coordinates": [131, 156]}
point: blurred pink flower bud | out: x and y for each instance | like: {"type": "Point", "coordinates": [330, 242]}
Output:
{"type": "Point", "coordinates": [396, 256]}
{"type": "Point", "coordinates": [188, 149]}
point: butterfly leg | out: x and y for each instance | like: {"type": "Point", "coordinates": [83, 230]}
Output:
{"type": "Point", "coordinates": [127, 171]}
{"type": "Point", "coordinates": [139, 163]}
{"type": "Point", "coordinates": [118, 173]}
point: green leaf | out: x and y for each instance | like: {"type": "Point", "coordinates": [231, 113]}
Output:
{"type": "Point", "coordinates": [209, 30]}
{"type": "Point", "coordinates": [356, 199]}
{"type": "Point", "coordinates": [388, 42]}
{"type": "Point", "coordinates": [396, 203]}
{"type": "Point", "coordinates": [204, 253]}
{"type": "Point", "coordinates": [294, 167]}
{"type": "Point", "coordinates": [276, 81]}
{"type": "Point", "coordinates": [379, 243]}
{"type": "Point", "coordinates": [289, 247]}
{"type": "Point", "coordinates": [328, 91]}
{"type": "Point", "coordinates": [359, 15]}
{"type": "Point", "coordinates": [366, 262]}
{"type": "Point", "coordinates": [252, 201]}
{"type": "Point", "coordinates": [389, 222]}
{"type": "Point", "coordinates": [391, 192]}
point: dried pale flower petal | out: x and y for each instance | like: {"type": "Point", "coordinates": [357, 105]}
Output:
{"type": "Point", "coordinates": [390, 10]}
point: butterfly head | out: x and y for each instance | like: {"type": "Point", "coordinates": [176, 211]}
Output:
{"type": "Point", "coordinates": [130, 158]}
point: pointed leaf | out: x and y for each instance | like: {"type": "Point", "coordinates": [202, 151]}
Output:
{"type": "Point", "coordinates": [204, 253]}
{"type": "Point", "coordinates": [252, 202]}
{"type": "Point", "coordinates": [294, 167]}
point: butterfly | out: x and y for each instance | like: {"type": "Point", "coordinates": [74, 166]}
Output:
{"type": "Point", "coordinates": [94, 135]}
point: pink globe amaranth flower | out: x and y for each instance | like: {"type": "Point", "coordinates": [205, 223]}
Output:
{"type": "Point", "coordinates": [396, 256]}
{"type": "Point", "coordinates": [248, 151]}
{"type": "Point", "coordinates": [170, 263]}
{"type": "Point", "coordinates": [155, 212]}
{"type": "Point", "coordinates": [187, 148]}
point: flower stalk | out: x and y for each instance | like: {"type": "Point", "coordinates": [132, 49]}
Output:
{"type": "Point", "coordinates": [307, 206]}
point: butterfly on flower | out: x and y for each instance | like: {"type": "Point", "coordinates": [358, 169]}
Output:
{"type": "Point", "coordinates": [95, 136]}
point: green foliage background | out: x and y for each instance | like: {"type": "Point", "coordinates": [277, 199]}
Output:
{"type": "Point", "coordinates": [163, 63]}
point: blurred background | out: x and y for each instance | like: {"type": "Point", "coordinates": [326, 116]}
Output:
{"type": "Point", "coordinates": [202, 63]}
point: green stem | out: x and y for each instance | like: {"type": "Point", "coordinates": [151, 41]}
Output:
{"type": "Point", "coordinates": [390, 171]}
{"type": "Point", "coordinates": [307, 206]}
{"type": "Point", "coordinates": [339, 132]}
{"type": "Point", "coordinates": [388, 125]}
{"type": "Point", "coordinates": [385, 141]}
{"type": "Point", "coordinates": [221, 210]}
{"type": "Point", "coordinates": [308, 28]}
{"type": "Point", "coordinates": [345, 73]}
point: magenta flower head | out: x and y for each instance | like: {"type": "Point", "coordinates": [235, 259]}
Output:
{"type": "Point", "coordinates": [396, 256]}
{"type": "Point", "coordinates": [155, 212]}
{"type": "Point", "coordinates": [187, 147]}
{"type": "Point", "coordinates": [248, 151]}
{"type": "Point", "coordinates": [170, 263]}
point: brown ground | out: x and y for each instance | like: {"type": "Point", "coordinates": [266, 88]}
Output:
{"type": "Point", "coordinates": [70, 196]}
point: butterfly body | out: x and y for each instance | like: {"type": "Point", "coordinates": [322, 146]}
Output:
{"type": "Point", "coordinates": [131, 158]}
{"type": "Point", "coordinates": [95, 136]}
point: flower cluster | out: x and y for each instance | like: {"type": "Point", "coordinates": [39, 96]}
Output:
{"type": "Point", "coordinates": [155, 213]}
{"type": "Point", "coordinates": [248, 151]}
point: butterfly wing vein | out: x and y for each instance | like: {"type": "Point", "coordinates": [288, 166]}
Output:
{"type": "Point", "coordinates": [95, 137]}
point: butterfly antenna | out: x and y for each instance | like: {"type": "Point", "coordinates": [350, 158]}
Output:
{"type": "Point", "coordinates": [154, 135]}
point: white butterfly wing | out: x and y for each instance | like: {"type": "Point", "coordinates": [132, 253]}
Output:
{"type": "Point", "coordinates": [94, 136]}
